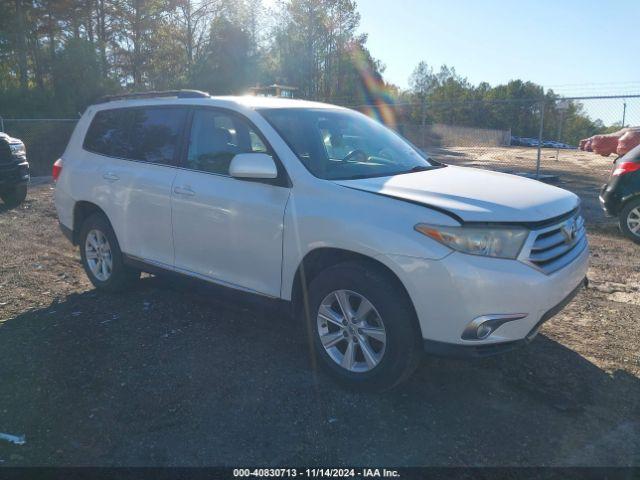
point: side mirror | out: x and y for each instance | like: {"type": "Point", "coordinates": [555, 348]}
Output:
{"type": "Point", "coordinates": [253, 165]}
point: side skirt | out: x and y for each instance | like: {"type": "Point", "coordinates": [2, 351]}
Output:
{"type": "Point", "coordinates": [210, 288]}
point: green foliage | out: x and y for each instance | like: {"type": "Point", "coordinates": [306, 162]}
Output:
{"type": "Point", "coordinates": [60, 55]}
{"type": "Point", "coordinates": [316, 48]}
{"type": "Point", "coordinates": [78, 80]}
{"type": "Point", "coordinates": [223, 67]}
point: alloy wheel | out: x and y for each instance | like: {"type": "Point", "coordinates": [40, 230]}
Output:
{"type": "Point", "coordinates": [97, 251]}
{"type": "Point", "coordinates": [633, 221]}
{"type": "Point", "coordinates": [351, 331]}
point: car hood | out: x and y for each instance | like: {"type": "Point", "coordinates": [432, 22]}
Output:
{"type": "Point", "coordinates": [8, 139]}
{"type": "Point", "coordinates": [474, 195]}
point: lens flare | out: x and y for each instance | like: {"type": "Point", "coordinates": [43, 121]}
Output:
{"type": "Point", "coordinates": [378, 99]}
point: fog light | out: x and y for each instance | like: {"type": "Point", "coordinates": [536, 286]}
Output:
{"type": "Point", "coordinates": [483, 331]}
{"type": "Point", "coordinates": [481, 327]}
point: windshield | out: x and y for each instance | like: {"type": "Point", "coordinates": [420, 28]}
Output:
{"type": "Point", "coordinates": [343, 144]}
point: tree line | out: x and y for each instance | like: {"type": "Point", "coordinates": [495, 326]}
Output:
{"type": "Point", "coordinates": [444, 96]}
{"type": "Point", "coordinates": [57, 56]}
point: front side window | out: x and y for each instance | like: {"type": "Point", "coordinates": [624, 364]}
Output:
{"type": "Point", "coordinates": [216, 137]}
{"type": "Point", "coordinates": [342, 144]}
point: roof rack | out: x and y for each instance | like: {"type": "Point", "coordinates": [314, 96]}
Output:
{"type": "Point", "coordinates": [160, 94]}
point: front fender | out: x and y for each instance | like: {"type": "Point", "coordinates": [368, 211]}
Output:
{"type": "Point", "coordinates": [371, 225]}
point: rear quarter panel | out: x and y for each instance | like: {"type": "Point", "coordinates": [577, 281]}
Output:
{"type": "Point", "coordinates": [66, 192]}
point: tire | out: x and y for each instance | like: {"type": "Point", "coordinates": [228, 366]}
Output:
{"type": "Point", "coordinates": [628, 214]}
{"type": "Point", "coordinates": [115, 276]}
{"type": "Point", "coordinates": [14, 196]}
{"type": "Point", "coordinates": [400, 352]}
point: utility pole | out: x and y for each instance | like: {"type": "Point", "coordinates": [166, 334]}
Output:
{"type": "Point", "coordinates": [562, 106]}
{"type": "Point", "coordinates": [540, 139]}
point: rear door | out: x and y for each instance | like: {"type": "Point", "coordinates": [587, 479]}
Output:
{"type": "Point", "coordinates": [225, 229]}
{"type": "Point", "coordinates": [139, 149]}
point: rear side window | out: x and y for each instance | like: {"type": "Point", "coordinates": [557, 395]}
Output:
{"type": "Point", "coordinates": [108, 134]}
{"type": "Point", "coordinates": [155, 132]}
{"type": "Point", "coordinates": [145, 134]}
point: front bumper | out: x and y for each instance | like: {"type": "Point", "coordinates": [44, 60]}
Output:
{"type": "Point", "coordinates": [609, 201]}
{"type": "Point", "coordinates": [15, 173]}
{"type": "Point", "coordinates": [476, 351]}
{"type": "Point", "coordinates": [447, 294]}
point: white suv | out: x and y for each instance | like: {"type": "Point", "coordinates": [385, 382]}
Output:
{"type": "Point", "coordinates": [381, 250]}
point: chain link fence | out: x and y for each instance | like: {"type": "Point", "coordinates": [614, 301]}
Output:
{"type": "Point", "coordinates": [530, 137]}
{"type": "Point", "coordinates": [44, 138]}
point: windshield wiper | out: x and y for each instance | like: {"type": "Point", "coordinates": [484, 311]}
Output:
{"type": "Point", "coordinates": [357, 177]}
{"type": "Point", "coordinates": [417, 168]}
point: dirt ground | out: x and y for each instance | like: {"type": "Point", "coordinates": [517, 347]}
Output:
{"type": "Point", "coordinates": [182, 374]}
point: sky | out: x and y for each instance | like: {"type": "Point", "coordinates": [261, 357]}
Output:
{"type": "Point", "coordinates": [576, 47]}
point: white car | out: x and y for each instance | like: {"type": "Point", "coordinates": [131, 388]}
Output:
{"type": "Point", "coordinates": [383, 252]}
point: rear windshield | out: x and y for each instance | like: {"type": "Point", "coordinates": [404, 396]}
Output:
{"type": "Point", "coordinates": [343, 144]}
{"type": "Point", "coordinates": [632, 155]}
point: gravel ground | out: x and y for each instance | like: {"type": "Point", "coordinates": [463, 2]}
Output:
{"type": "Point", "coordinates": [184, 374]}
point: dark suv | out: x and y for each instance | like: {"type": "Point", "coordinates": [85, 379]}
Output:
{"type": "Point", "coordinates": [14, 170]}
{"type": "Point", "coordinates": [620, 196]}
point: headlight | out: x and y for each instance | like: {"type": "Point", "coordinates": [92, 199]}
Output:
{"type": "Point", "coordinates": [490, 242]}
{"type": "Point", "coordinates": [18, 148]}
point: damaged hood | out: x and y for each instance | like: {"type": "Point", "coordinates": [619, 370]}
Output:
{"type": "Point", "coordinates": [474, 195]}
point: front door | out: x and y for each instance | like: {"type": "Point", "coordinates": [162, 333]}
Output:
{"type": "Point", "coordinates": [225, 229]}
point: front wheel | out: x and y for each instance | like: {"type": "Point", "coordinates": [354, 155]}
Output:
{"type": "Point", "coordinates": [101, 256]}
{"type": "Point", "coordinates": [364, 327]}
{"type": "Point", "coordinates": [14, 196]}
{"type": "Point", "coordinates": [629, 220]}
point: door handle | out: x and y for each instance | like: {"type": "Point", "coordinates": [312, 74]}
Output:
{"type": "Point", "coordinates": [184, 190]}
{"type": "Point", "coordinates": [110, 177]}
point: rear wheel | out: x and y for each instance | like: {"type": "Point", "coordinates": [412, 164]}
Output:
{"type": "Point", "coordinates": [364, 326]}
{"type": "Point", "coordinates": [14, 196]}
{"type": "Point", "coordinates": [101, 256]}
{"type": "Point", "coordinates": [629, 220]}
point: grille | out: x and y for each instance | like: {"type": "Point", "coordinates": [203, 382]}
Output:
{"type": "Point", "coordinates": [557, 246]}
{"type": "Point", "coordinates": [5, 152]}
